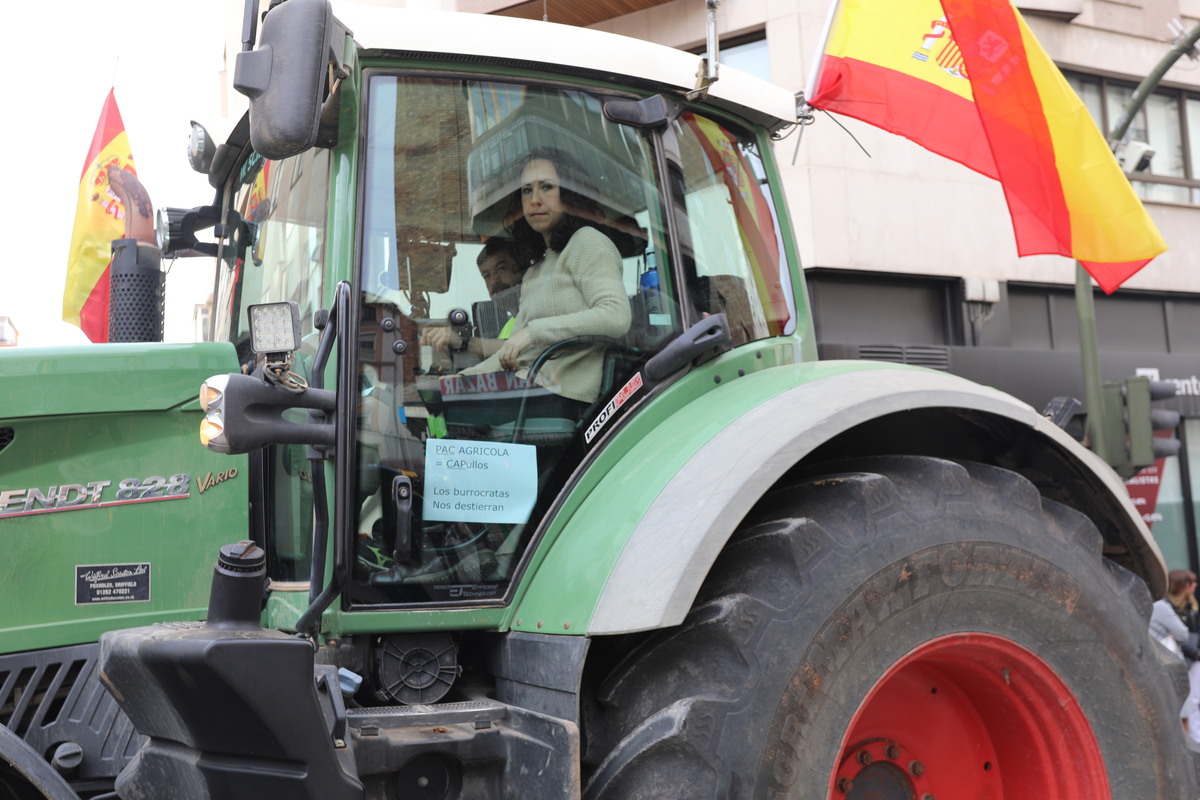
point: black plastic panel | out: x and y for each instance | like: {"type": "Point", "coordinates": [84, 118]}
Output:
{"type": "Point", "coordinates": [52, 697]}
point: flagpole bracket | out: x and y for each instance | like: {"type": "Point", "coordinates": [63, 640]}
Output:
{"type": "Point", "coordinates": [804, 111]}
{"type": "Point", "coordinates": [709, 70]}
{"type": "Point", "coordinates": [804, 118]}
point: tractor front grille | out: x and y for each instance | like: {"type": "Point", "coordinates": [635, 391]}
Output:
{"type": "Point", "coordinates": [52, 697]}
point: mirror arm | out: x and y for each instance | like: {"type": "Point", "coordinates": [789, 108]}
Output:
{"type": "Point", "coordinates": [249, 25]}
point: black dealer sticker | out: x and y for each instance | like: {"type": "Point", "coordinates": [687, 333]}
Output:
{"type": "Point", "coordinates": [112, 583]}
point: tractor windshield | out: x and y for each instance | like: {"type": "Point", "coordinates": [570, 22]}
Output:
{"type": "Point", "coordinates": [522, 255]}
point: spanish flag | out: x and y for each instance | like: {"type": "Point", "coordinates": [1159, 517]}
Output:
{"type": "Point", "coordinates": [99, 218]}
{"type": "Point", "coordinates": [966, 79]}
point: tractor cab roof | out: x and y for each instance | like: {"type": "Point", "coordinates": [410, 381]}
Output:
{"type": "Point", "coordinates": [563, 50]}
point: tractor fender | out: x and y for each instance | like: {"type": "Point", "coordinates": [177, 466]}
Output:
{"type": "Point", "coordinates": [32, 768]}
{"type": "Point", "coordinates": [636, 550]}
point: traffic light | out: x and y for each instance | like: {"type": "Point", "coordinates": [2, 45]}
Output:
{"type": "Point", "coordinates": [1130, 420]}
{"type": "Point", "coordinates": [1144, 419]}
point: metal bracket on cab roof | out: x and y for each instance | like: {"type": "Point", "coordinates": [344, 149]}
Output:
{"type": "Point", "coordinates": [709, 70]}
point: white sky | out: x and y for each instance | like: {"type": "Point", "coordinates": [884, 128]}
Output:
{"type": "Point", "coordinates": [164, 58]}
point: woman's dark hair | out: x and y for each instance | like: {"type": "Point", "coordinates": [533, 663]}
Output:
{"type": "Point", "coordinates": [1178, 580]}
{"type": "Point", "coordinates": [580, 210]}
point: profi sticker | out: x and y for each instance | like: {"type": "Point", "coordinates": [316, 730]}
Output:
{"type": "Point", "coordinates": [606, 413]}
{"type": "Point", "coordinates": [112, 583]}
{"type": "Point", "coordinates": [97, 494]}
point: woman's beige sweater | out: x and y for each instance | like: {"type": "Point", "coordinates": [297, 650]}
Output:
{"type": "Point", "coordinates": [577, 292]}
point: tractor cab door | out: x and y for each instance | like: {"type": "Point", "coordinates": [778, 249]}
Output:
{"type": "Point", "coordinates": [448, 280]}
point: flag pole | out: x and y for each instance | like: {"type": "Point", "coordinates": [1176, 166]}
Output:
{"type": "Point", "coordinates": [804, 111]}
{"type": "Point", "coordinates": [818, 57]}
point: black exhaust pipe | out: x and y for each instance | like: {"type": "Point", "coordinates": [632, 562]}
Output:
{"type": "Point", "coordinates": [136, 292]}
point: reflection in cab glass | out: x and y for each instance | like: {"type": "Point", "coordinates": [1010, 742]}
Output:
{"type": "Point", "coordinates": [515, 277]}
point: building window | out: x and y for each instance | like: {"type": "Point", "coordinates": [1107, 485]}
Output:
{"type": "Point", "coordinates": [748, 56]}
{"type": "Point", "coordinates": [1169, 121]}
{"type": "Point", "coordinates": [747, 53]}
{"type": "Point", "coordinates": [1044, 318]}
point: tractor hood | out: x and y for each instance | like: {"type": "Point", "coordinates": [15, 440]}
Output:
{"type": "Point", "coordinates": [101, 378]}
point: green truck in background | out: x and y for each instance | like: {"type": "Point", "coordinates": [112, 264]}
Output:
{"type": "Point", "coordinates": [722, 568]}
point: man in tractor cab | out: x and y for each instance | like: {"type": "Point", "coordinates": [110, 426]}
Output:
{"type": "Point", "coordinates": [493, 319]}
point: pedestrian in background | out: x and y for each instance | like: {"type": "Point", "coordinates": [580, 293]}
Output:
{"type": "Point", "coordinates": [1181, 595]}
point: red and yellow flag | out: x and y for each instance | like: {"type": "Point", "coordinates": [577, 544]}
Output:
{"type": "Point", "coordinates": [99, 218]}
{"type": "Point", "coordinates": [967, 80]}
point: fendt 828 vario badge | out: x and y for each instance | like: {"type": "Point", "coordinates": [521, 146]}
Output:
{"type": "Point", "coordinates": [94, 494]}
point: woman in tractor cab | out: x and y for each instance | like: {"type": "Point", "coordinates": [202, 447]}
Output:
{"type": "Point", "coordinates": [572, 286]}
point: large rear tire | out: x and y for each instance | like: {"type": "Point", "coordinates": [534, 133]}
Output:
{"type": "Point", "coordinates": [908, 628]}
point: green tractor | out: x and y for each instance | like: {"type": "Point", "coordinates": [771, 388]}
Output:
{"type": "Point", "coordinates": [523, 478]}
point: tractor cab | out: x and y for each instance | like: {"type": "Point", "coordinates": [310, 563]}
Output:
{"type": "Point", "coordinates": [457, 457]}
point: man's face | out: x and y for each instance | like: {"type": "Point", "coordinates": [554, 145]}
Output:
{"type": "Point", "coordinates": [499, 272]}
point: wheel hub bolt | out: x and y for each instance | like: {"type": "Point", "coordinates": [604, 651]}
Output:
{"type": "Point", "coordinates": [893, 752]}
{"type": "Point", "coordinates": [864, 757]}
{"type": "Point", "coordinates": [916, 768]}
{"type": "Point", "coordinates": [844, 785]}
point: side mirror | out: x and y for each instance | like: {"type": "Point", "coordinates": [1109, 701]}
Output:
{"type": "Point", "coordinates": [285, 76]}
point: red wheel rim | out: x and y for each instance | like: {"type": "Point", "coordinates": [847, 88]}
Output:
{"type": "Point", "coordinates": [969, 716]}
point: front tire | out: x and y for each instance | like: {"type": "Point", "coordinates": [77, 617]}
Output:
{"type": "Point", "coordinates": [908, 627]}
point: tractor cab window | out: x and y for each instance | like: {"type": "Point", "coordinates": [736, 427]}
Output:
{"type": "Point", "coordinates": [731, 247]}
{"type": "Point", "coordinates": [514, 276]}
{"type": "Point", "coordinates": [275, 251]}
